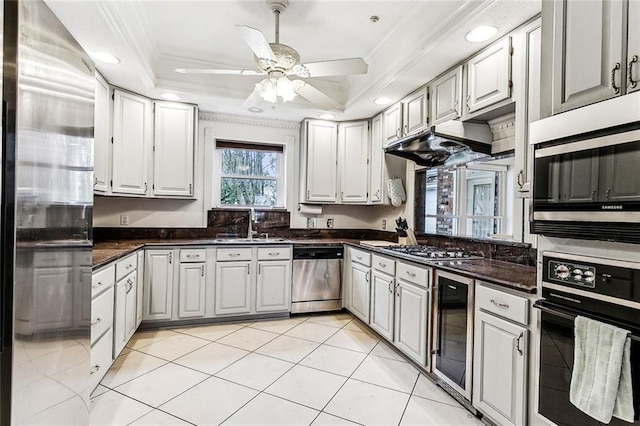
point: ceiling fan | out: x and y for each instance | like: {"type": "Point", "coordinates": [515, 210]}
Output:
{"type": "Point", "coordinates": [279, 61]}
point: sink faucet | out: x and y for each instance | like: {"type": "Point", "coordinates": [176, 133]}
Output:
{"type": "Point", "coordinates": [252, 219]}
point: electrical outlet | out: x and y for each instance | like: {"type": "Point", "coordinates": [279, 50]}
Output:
{"type": "Point", "coordinates": [330, 223]}
{"type": "Point", "coordinates": [311, 222]}
{"type": "Point", "coordinates": [384, 224]}
{"type": "Point", "coordinates": [124, 219]}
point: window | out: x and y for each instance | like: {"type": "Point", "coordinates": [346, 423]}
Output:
{"type": "Point", "coordinates": [251, 175]}
{"type": "Point", "coordinates": [464, 201]}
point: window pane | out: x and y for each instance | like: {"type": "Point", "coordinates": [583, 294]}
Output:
{"type": "Point", "coordinates": [248, 192]}
{"type": "Point", "coordinates": [482, 227]}
{"type": "Point", "coordinates": [249, 162]}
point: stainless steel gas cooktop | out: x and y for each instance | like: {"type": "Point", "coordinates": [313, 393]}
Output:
{"type": "Point", "coordinates": [431, 252]}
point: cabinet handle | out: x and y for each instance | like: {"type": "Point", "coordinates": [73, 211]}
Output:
{"type": "Point", "coordinates": [615, 88]}
{"type": "Point", "coordinates": [97, 321]}
{"type": "Point", "coordinates": [234, 254]}
{"type": "Point", "coordinates": [630, 80]}
{"type": "Point", "coordinates": [593, 195]}
{"type": "Point", "coordinates": [378, 194]}
{"type": "Point", "coordinates": [391, 286]}
{"type": "Point", "coordinates": [273, 253]}
{"type": "Point", "coordinates": [129, 266]}
{"type": "Point", "coordinates": [95, 178]}
{"type": "Point", "coordinates": [411, 274]}
{"type": "Point", "coordinates": [366, 276]}
{"type": "Point", "coordinates": [259, 269]}
{"type": "Point", "coordinates": [608, 194]}
{"type": "Point", "coordinates": [342, 194]}
{"type": "Point", "coordinates": [359, 257]}
{"type": "Point", "coordinates": [398, 290]}
{"type": "Point", "coordinates": [520, 179]}
{"type": "Point", "coordinates": [146, 187]}
{"type": "Point", "coordinates": [520, 336]}
{"type": "Point", "coordinates": [406, 129]}
{"type": "Point", "coordinates": [100, 284]}
{"type": "Point", "coordinates": [94, 369]}
{"type": "Point", "coordinates": [382, 265]}
{"type": "Point", "coordinates": [308, 194]}
{"type": "Point", "coordinates": [249, 269]}
{"type": "Point", "coordinates": [468, 99]}
{"type": "Point", "coordinates": [170, 258]}
{"type": "Point", "coordinates": [498, 304]}
{"type": "Point", "coordinates": [455, 108]}
{"type": "Point", "coordinates": [190, 188]}
{"type": "Point", "coordinates": [398, 133]}
{"type": "Point", "coordinates": [202, 271]}
{"type": "Point", "coordinates": [130, 287]}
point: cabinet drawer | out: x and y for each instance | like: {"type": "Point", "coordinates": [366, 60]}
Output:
{"type": "Point", "coordinates": [504, 304]}
{"type": "Point", "coordinates": [413, 274]}
{"type": "Point", "coordinates": [361, 257]}
{"type": "Point", "coordinates": [383, 264]}
{"type": "Point", "coordinates": [193, 255]}
{"type": "Point", "coordinates": [102, 280]}
{"type": "Point", "coordinates": [230, 254]}
{"type": "Point", "coordinates": [126, 266]}
{"type": "Point", "coordinates": [100, 358]}
{"type": "Point", "coordinates": [101, 314]}
{"type": "Point", "coordinates": [274, 253]}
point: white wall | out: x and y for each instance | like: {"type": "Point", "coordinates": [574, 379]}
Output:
{"type": "Point", "coordinates": [193, 213]}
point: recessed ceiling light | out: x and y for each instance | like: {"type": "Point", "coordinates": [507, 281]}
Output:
{"type": "Point", "coordinates": [256, 109]}
{"type": "Point", "coordinates": [382, 101]}
{"type": "Point", "coordinates": [170, 96]}
{"type": "Point", "coordinates": [327, 116]}
{"type": "Point", "coordinates": [482, 33]}
{"type": "Point", "coordinates": [105, 57]}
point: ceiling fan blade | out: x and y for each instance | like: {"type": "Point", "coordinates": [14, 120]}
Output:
{"type": "Point", "coordinates": [217, 71]}
{"type": "Point", "coordinates": [314, 95]}
{"type": "Point", "coordinates": [253, 100]}
{"type": "Point", "coordinates": [331, 68]}
{"type": "Point", "coordinates": [257, 42]}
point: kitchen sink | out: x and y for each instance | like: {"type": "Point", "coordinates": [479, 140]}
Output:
{"type": "Point", "coordinates": [248, 240]}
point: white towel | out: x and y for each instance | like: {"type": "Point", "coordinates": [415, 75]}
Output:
{"type": "Point", "coordinates": [601, 379]}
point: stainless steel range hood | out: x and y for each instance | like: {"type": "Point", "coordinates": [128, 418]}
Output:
{"type": "Point", "coordinates": [450, 143]}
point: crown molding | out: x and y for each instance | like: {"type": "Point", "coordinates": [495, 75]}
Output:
{"type": "Point", "coordinates": [236, 119]}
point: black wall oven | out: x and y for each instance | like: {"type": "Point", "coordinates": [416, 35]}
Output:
{"type": "Point", "coordinates": [604, 290]}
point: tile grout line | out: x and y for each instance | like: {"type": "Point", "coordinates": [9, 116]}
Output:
{"type": "Point", "coordinates": [409, 399]}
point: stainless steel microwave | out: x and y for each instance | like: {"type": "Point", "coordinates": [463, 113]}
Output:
{"type": "Point", "coordinates": [586, 173]}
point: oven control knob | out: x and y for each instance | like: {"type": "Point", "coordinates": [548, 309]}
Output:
{"type": "Point", "coordinates": [588, 279]}
{"type": "Point", "coordinates": [577, 272]}
{"type": "Point", "coordinates": [562, 271]}
{"type": "Point", "coordinates": [577, 277]}
{"type": "Point", "coordinates": [588, 274]}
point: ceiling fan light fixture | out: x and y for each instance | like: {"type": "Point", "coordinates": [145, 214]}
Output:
{"type": "Point", "coordinates": [382, 101]}
{"type": "Point", "coordinates": [272, 88]}
{"type": "Point", "coordinates": [481, 34]}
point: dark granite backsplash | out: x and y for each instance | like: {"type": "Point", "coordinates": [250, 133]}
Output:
{"type": "Point", "coordinates": [276, 223]}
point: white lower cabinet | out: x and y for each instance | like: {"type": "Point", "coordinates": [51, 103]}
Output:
{"type": "Point", "coordinates": [158, 285]}
{"type": "Point", "coordinates": [233, 288]}
{"type": "Point", "coordinates": [500, 356]}
{"type": "Point", "coordinates": [124, 319]}
{"type": "Point", "coordinates": [101, 358]}
{"type": "Point", "coordinates": [360, 291]}
{"type": "Point", "coordinates": [140, 295]}
{"type": "Point", "coordinates": [273, 290]}
{"type": "Point", "coordinates": [411, 309]}
{"type": "Point", "coordinates": [192, 290]}
{"type": "Point", "coordinates": [382, 303]}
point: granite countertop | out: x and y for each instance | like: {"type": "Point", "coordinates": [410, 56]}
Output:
{"type": "Point", "coordinates": [507, 274]}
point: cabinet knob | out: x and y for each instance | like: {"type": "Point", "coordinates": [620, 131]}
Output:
{"type": "Point", "coordinates": [632, 83]}
{"type": "Point", "coordinates": [615, 68]}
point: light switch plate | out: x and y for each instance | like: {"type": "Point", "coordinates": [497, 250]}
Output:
{"type": "Point", "coordinates": [124, 219]}
{"type": "Point", "coordinates": [384, 224]}
{"type": "Point", "coordinates": [330, 223]}
{"type": "Point", "coordinates": [311, 222]}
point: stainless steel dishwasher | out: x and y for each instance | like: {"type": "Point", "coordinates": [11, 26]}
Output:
{"type": "Point", "coordinates": [317, 279]}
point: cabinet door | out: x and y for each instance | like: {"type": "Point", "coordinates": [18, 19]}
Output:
{"type": "Point", "coordinates": [411, 320]}
{"type": "Point", "coordinates": [102, 137]}
{"type": "Point", "coordinates": [360, 291]}
{"type": "Point", "coordinates": [132, 140]}
{"type": "Point", "coordinates": [499, 375]}
{"type": "Point", "coordinates": [140, 287]}
{"type": "Point", "coordinates": [489, 76]}
{"type": "Point", "coordinates": [392, 124]}
{"type": "Point", "coordinates": [415, 113]}
{"type": "Point", "coordinates": [633, 47]}
{"type": "Point", "coordinates": [173, 149]}
{"type": "Point", "coordinates": [376, 183]}
{"type": "Point", "coordinates": [322, 152]}
{"type": "Point", "coordinates": [233, 288]}
{"type": "Point", "coordinates": [382, 302]}
{"type": "Point", "coordinates": [120, 318]}
{"type": "Point", "coordinates": [158, 282]}
{"type": "Point", "coordinates": [353, 140]}
{"type": "Point", "coordinates": [584, 73]}
{"type": "Point", "coordinates": [130, 306]}
{"type": "Point", "coordinates": [273, 286]}
{"type": "Point", "coordinates": [446, 96]}
{"type": "Point", "coordinates": [191, 290]}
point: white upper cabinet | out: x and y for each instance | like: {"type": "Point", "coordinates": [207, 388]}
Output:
{"type": "Point", "coordinates": [392, 124]}
{"type": "Point", "coordinates": [377, 166]}
{"type": "Point", "coordinates": [489, 76]}
{"type": "Point", "coordinates": [173, 149]}
{"type": "Point", "coordinates": [321, 161]}
{"type": "Point", "coordinates": [415, 111]}
{"type": "Point", "coordinates": [353, 161]}
{"type": "Point", "coordinates": [633, 47]}
{"type": "Point", "coordinates": [586, 72]}
{"type": "Point", "coordinates": [102, 137]}
{"type": "Point", "coordinates": [446, 96]}
{"type": "Point", "coordinates": [132, 141]}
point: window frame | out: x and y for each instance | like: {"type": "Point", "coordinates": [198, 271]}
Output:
{"type": "Point", "coordinates": [280, 179]}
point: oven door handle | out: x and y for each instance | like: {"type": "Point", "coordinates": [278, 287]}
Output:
{"type": "Point", "coordinates": [538, 305]}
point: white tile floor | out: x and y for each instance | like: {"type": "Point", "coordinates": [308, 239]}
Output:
{"type": "Point", "coordinates": [318, 369]}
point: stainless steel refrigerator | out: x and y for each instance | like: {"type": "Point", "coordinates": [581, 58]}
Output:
{"type": "Point", "coordinates": [45, 220]}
